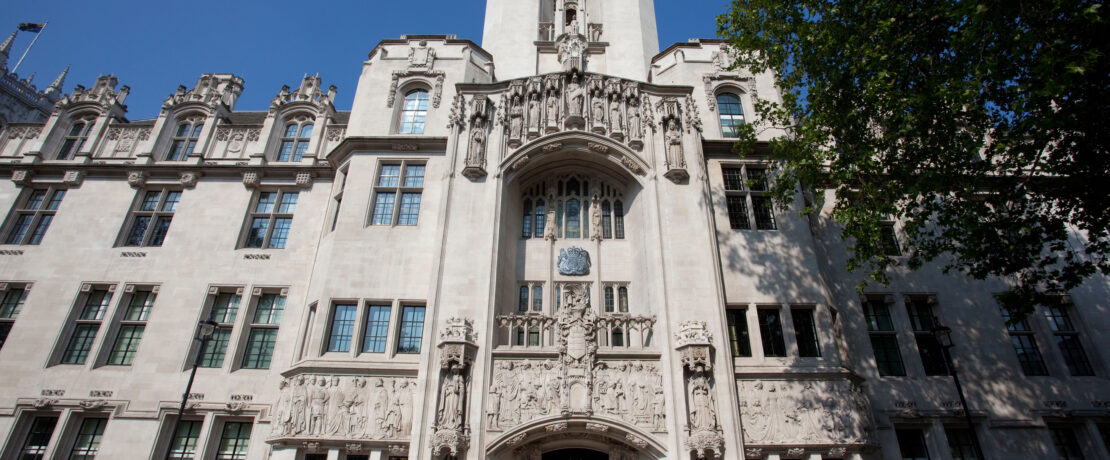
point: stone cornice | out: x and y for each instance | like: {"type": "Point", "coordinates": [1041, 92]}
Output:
{"type": "Point", "coordinates": [416, 145]}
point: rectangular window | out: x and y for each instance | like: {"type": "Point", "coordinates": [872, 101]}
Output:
{"type": "Point", "coordinates": [150, 217]}
{"type": "Point", "coordinates": [1025, 345]}
{"type": "Point", "coordinates": [921, 321]}
{"type": "Point", "coordinates": [1067, 340]}
{"type": "Point", "coordinates": [88, 439]}
{"type": "Point", "coordinates": [234, 440]}
{"type": "Point", "coordinates": [806, 332]}
{"type": "Point", "coordinates": [770, 331]}
{"type": "Point", "coordinates": [38, 437]}
{"type": "Point", "coordinates": [746, 197]}
{"type": "Point", "coordinates": [185, 440]}
{"type": "Point", "coordinates": [911, 442]}
{"type": "Point", "coordinates": [263, 330]}
{"type": "Point", "coordinates": [131, 327]}
{"type": "Point", "coordinates": [342, 327]}
{"type": "Point", "coordinates": [1066, 443]}
{"type": "Point", "coordinates": [404, 179]}
{"type": "Point", "coordinates": [95, 304]}
{"type": "Point", "coordinates": [610, 301]}
{"type": "Point", "coordinates": [412, 329]}
{"type": "Point", "coordinates": [32, 214]}
{"type": "Point", "coordinates": [225, 306]}
{"type": "Point", "coordinates": [960, 443]}
{"type": "Point", "coordinates": [889, 239]}
{"type": "Point", "coordinates": [531, 297]}
{"type": "Point", "coordinates": [884, 341]}
{"type": "Point", "coordinates": [10, 306]}
{"type": "Point", "coordinates": [377, 329]}
{"type": "Point", "coordinates": [738, 333]}
{"type": "Point", "coordinates": [270, 219]}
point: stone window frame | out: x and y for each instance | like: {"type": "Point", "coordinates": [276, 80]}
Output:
{"type": "Point", "coordinates": [10, 307]}
{"type": "Point", "coordinates": [77, 320]}
{"type": "Point", "coordinates": [358, 341]}
{"type": "Point", "coordinates": [331, 344]}
{"type": "Point", "coordinates": [156, 214]}
{"type": "Point", "coordinates": [1025, 332]}
{"type": "Point", "coordinates": [339, 185]}
{"type": "Point", "coordinates": [75, 432]}
{"type": "Point", "coordinates": [742, 194]}
{"type": "Point", "coordinates": [921, 330]}
{"type": "Point", "coordinates": [272, 217]}
{"type": "Point", "coordinates": [190, 140]}
{"type": "Point", "coordinates": [216, 436]}
{"type": "Point", "coordinates": [399, 190]}
{"type": "Point", "coordinates": [741, 88]}
{"type": "Point", "coordinates": [620, 293]}
{"type": "Point", "coordinates": [45, 208]}
{"type": "Point", "coordinates": [1088, 360]}
{"type": "Point", "coordinates": [769, 341]}
{"type": "Point", "coordinates": [411, 86]}
{"type": "Point", "coordinates": [72, 143]}
{"type": "Point", "coordinates": [21, 432]}
{"type": "Point", "coordinates": [824, 318]}
{"type": "Point", "coordinates": [251, 324]}
{"type": "Point", "coordinates": [879, 332]}
{"type": "Point", "coordinates": [811, 315]}
{"type": "Point", "coordinates": [119, 321]}
{"type": "Point", "coordinates": [211, 429]}
{"type": "Point", "coordinates": [401, 325]}
{"type": "Point", "coordinates": [301, 119]}
{"type": "Point", "coordinates": [729, 90]}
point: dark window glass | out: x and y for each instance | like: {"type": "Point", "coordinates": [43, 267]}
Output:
{"type": "Point", "coordinates": [87, 443]}
{"type": "Point", "coordinates": [541, 217]}
{"type": "Point", "coordinates": [618, 218]}
{"type": "Point", "coordinates": [212, 355]}
{"type": "Point", "coordinates": [889, 240]}
{"type": "Point", "coordinates": [1074, 355]}
{"type": "Point", "coordinates": [526, 224]}
{"type": "Point", "coordinates": [34, 447]}
{"type": "Point", "coordinates": [764, 213]}
{"type": "Point", "coordinates": [738, 333]}
{"type": "Point", "coordinates": [878, 315]}
{"type": "Point", "coordinates": [80, 344]}
{"type": "Point", "coordinates": [342, 327]}
{"type": "Point", "coordinates": [618, 337]}
{"type": "Point", "coordinates": [912, 444]}
{"type": "Point", "coordinates": [260, 348]}
{"type": "Point", "coordinates": [738, 213]}
{"type": "Point", "coordinates": [887, 356]}
{"type": "Point", "coordinates": [609, 299]}
{"type": "Point", "coordinates": [412, 329]}
{"type": "Point", "coordinates": [185, 440]}
{"type": "Point", "coordinates": [574, 224]}
{"type": "Point", "coordinates": [806, 331]}
{"type": "Point", "coordinates": [932, 357]}
{"type": "Point", "coordinates": [523, 304]}
{"type": "Point", "coordinates": [234, 440]}
{"type": "Point", "coordinates": [377, 329]}
{"type": "Point", "coordinates": [1066, 444]}
{"type": "Point", "coordinates": [770, 331]}
{"type": "Point", "coordinates": [960, 443]}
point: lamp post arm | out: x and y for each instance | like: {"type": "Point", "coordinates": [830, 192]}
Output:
{"type": "Point", "coordinates": [185, 396]}
{"type": "Point", "coordinates": [963, 401]}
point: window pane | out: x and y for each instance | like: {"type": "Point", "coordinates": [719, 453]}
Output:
{"type": "Point", "coordinates": [266, 202]}
{"type": "Point", "coordinates": [921, 315]}
{"type": "Point", "coordinates": [300, 150]}
{"type": "Point", "coordinates": [383, 209]}
{"type": "Point", "coordinates": [1066, 443]}
{"type": "Point", "coordinates": [618, 337]}
{"type": "Point", "coordinates": [537, 298]}
{"type": "Point", "coordinates": [13, 302]}
{"type": "Point", "coordinates": [233, 443]}
{"type": "Point", "coordinates": [734, 179]}
{"type": "Point", "coordinates": [88, 439]}
{"type": "Point", "coordinates": [932, 357]}
{"type": "Point", "coordinates": [389, 175]}
{"type": "Point", "coordinates": [260, 348]}
{"type": "Point", "coordinates": [878, 316]}
{"type": "Point", "coordinates": [257, 233]}
{"type": "Point", "coordinates": [40, 229]}
{"type": "Point", "coordinates": [806, 333]}
{"type": "Point", "coordinates": [80, 344]}
{"type": "Point", "coordinates": [161, 227]}
{"type": "Point", "coordinates": [770, 329]}
{"type": "Point", "coordinates": [139, 307]}
{"type": "Point", "coordinates": [290, 130]}
{"type": "Point", "coordinates": [306, 131]}
{"type": "Point", "coordinates": [606, 220]}
{"type": "Point", "coordinates": [610, 299]}
{"type": "Point", "coordinates": [285, 151]}
{"type": "Point", "coordinates": [541, 216]}
{"type": "Point", "coordinates": [281, 232]}
{"type": "Point", "coordinates": [757, 179]}
{"type": "Point", "coordinates": [412, 329]}
{"type": "Point", "coordinates": [764, 214]}
{"type": "Point", "coordinates": [887, 357]}
{"type": "Point", "coordinates": [1058, 318]}
{"type": "Point", "coordinates": [96, 303]}
{"type": "Point", "coordinates": [738, 333]}
{"type": "Point", "coordinates": [738, 213]}
{"type": "Point", "coordinates": [912, 444]}
{"type": "Point", "coordinates": [522, 305]}
{"type": "Point", "coordinates": [127, 343]}
{"type": "Point", "coordinates": [138, 229]}
{"type": "Point", "coordinates": [270, 308]}
{"type": "Point", "coordinates": [622, 299]}
{"type": "Point", "coordinates": [185, 440]}
{"type": "Point", "coordinates": [1074, 355]}
{"type": "Point", "coordinates": [34, 447]}
{"type": "Point", "coordinates": [573, 228]}
{"type": "Point", "coordinates": [212, 355]}
{"type": "Point", "coordinates": [526, 224]}
{"type": "Point", "coordinates": [19, 230]}
{"type": "Point", "coordinates": [410, 209]}
{"type": "Point", "coordinates": [960, 444]}
{"type": "Point", "coordinates": [1029, 356]}
{"type": "Point", "coordinates": [55, 200]}
{"type": "Point", "coordinates": [288, 202]}
{"type": "Point", "coordinates": [732, 114]}
{"type": "Point", "coordinates": [618, 218]}
{"type": "Point", "coordinates": [377, 329]}
{"type": "Point", "coordinates": [150, 201]}
{"type": "Point", "coordinates": [225, 307]}
{"type": "Point", "coordinates": [414, 176]}
{"type": "Point", "coordinates": [342, 327]}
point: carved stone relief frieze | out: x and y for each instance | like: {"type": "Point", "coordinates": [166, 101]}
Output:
{"type": "Point", "coordinates": [344, 407]}
{"type": "Point", "coordinates": [805, 411]}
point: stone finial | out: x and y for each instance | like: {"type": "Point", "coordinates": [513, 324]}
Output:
{"type": "Point", "coordinates": [55, 88]}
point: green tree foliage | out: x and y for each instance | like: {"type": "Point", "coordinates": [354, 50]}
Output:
{"type": "Point", "coordinates": [980, 125]}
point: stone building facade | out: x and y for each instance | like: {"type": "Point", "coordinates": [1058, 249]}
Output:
{"type": "Point", "coordinates": [541, 248]}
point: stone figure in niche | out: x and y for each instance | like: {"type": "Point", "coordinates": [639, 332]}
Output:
{"type": "Point", "coordinates": [317, 403]}
{"type": "Point", "coordinates": [599, 112]}
{"type": "Point", "coordinates": [477, 155]}
{"type": "Point", "coordinates": [615, 117]}
{"type": "Point", "coordinates": [674, 145]}
{"type": "Point", "coordinates": [635, 124]}
{"type": "Point", "coordinates": [299, 412]}
{"type": "Point", "coordinates": [702, 415]}
{"type": "Point", "coordinates": [534, 113]}
{"type": "Point", "coordinates": [576, 96]}
{"type": "Point", "coordinates": [516, 118]}
{"type": "Point", "coordinates": [595, 219]}
{"type": "Point", "coordinates": [552, 110]}
{"type": "Point", "coordinates": [549, 222]}
{"type": "Point", "coordinates": [450, 411]}
{"type": "Point", "coordinates": [658, 412]}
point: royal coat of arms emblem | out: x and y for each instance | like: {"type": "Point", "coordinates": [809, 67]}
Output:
{"type": "Point", "coordinates": [574, 262]}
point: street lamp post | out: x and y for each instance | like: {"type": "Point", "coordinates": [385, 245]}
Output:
{"type": "Point", "coordinates": [943, 334]}
{"type": "Point", "coordinates": [207, 327]}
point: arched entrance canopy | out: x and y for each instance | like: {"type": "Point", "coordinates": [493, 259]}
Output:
{"type": "Point", "coordinates": [580, 145]}
{"type": "Point", "coordinates": [575, 432]}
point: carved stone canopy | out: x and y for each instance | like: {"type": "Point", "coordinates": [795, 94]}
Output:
{"type": "Point", "coordinates": [695, 346]}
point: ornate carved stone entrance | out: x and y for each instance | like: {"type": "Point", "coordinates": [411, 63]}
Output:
{"type": "Point", "coordinates": [575, 454]}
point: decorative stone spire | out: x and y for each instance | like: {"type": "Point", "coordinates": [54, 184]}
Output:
{"type": "Point", "coordinates": [6, 48]}
{"type": "Point", "coordinates": [55, 88]}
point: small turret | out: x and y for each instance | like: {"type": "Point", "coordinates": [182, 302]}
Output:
{"type": "Point", "coordinates": [54, 91]}
{"type": "Point", "coordinates": [5, 49]}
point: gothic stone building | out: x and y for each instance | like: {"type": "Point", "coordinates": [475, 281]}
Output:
{"type": "Point", "coordinates": [540, 248]}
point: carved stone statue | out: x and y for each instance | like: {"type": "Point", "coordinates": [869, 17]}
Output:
{"type": "Point", "coordinates": [337, 412]}
{"type": "Point", "coordinates": [552, 111]}
{"type": "Point", "coordinates": [673, 137]}
{"type": "Point", "coordinates": [516, 118]}
{"type": "Point", "coordinates": [702, 415]}
{"type": "Point", "coordinates": [450, 411]}
{"type": "Point", "coordinates": [615, 117]}
{"type": "Point", "coordinates": [534, 114]}
{"type": "Point", "coordinates": [549, 222]}
{"type": "Point", "coordinates": [575, 97]}
{"type": "Point", "coordinates": [599, 114]}
{"type": "Point", "coordinates": [477, 154]}
{"type": "Point", "coordinates": [595, 219]}
{"type": "Point", "coordinates": [379, 406]}
{"type": "Point", "coordinates": [635, 123]}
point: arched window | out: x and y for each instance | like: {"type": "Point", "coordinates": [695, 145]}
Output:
{"type": "Point", "coordinates": [519, 336]}
{"type": "Point", "coordinates": [732, 114]}
{"type": "Point", "coordinates": [185, 138]}
{"type": "Point", "coordinates": [414, 112]}
{"type": "Point", "coordinates": [75, 139]}
{"type": "Point", "coordinates": [294, 141]}
{"type": "Point", "coordinates": [575, 206]}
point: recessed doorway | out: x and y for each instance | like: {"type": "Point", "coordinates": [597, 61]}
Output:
{"type": "Point", "coordinates": [575, 454]}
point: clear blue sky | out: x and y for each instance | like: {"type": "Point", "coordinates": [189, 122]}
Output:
{"type": "Point", "coordinates": [153, 45]}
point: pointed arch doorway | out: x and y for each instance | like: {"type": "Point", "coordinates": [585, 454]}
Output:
{"type": "Point", "coordinates": [575, 454]}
